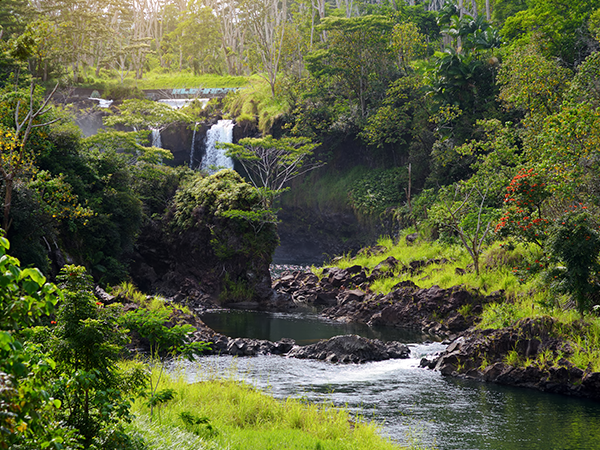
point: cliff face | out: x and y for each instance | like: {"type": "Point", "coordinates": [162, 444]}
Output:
{"type": "Point", "coordinates": [209, 245]}
{"type": "Point", "coordinates": [312, 236]}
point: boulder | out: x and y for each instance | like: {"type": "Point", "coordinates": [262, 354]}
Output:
{"type": "Point", "coordinates": [353, 295]}
{"type": "Point", "coordinates": [351, 349]}
{"type": "Point", "coordinates": [384, 268]}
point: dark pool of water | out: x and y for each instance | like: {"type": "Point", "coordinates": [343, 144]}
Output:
{"type": "Point", "coordinates": [302, 327]}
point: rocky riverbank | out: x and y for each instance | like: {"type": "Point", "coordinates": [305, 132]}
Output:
{"type": "Point", "coordinates": [539, 359]}
{"type": "Point", "coordinates": [346, 296]}
{"type": "Point", "coordinates": [530, 354]}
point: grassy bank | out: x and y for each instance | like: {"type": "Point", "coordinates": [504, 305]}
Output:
{"type": "Point", "coordinates": [506, 268]}
{"type": "Point", "coordinates": [447, 262]}
{"type": "Point", "coordinates": [225, 414]}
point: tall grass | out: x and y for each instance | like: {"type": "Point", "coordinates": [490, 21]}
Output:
{"type": "Point", "coordinates": [255, 104]}
{"type": "Point", "coordinates": [240, 417]}
{"type": "Point", "coordinates": [157, 436]}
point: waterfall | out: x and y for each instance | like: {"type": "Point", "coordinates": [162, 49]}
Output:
{"type": "Point", "coordinates": [156, 140]}
{"type": "Point", "coordinates": [102, 103]}
{"type": "Point", "coordinates": [193, 146]}
{"type": "Point", "coordinates": [214, 157]}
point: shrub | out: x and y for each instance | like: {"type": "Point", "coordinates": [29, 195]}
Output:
{"type": "Point", "coordinates": [574, 241]}
{"type": "Point", "coordinates": [379, 190]}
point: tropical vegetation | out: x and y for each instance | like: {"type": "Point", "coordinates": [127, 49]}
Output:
{"type": "Point", "coordinates": [472, 123]}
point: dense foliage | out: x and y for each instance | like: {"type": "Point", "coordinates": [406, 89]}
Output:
{"type": "Point", "coordinates": [473, 123]}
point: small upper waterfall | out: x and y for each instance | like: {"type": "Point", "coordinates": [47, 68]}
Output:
{"type": "Point", "coordinates": [178, 103]}
{"type": "Point", "coordinates": [192, 150]}
{"type": "Point", "coordinates": [156, 139]}
{"type": "Point", "coordinates": [102, 103]}
{"type": "Point", "coordinates": [215, 157]}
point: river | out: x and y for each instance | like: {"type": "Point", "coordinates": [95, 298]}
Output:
{"type": "Point", "coordinates": [409, 402]}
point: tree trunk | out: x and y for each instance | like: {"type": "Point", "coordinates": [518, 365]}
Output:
{"type": "Point", "coordinates": [8, 186]}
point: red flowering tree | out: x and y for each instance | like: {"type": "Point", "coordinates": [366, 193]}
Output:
{"type": "Point", "coordinates": [523, 217]}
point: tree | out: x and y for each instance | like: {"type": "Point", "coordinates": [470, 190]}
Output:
{"type": "Point", "coordinates": [40, 45]}
{"type": "Point", "coordinates": [462, 209]}
{"type": "Point", "coordinates": [558, 27]}
{"type": "Point", "coordinates": [357, 57]}
{"type": "Point", "coordinates": [531, 82]}
{"type": "Point", "coordinates": [197, 36]}
{"type": "Point", "coordinates": [271, 163]}
{"type": "Point", "coordinates": [126, 142]}
{"type": "Point", "coordinates": [86, 344]}
{"type": "Point", "coordinates": [267, 20]}
{"type": "Point", "coordinates": [233, 33]}
{"type": "Point", "coordinates": [407, 43]}
{"type": "Point", "coordinates": [394, 128]}
{"type": "Point", "coordinates": [575, 242]}
{"type": "Point", "coordinates": [116, 53]}
{"type": "Point", "coordinates": [524, 217]}
{"type": "Point", "coordinates": [141, 114]}
{"type": "Point", "coordinates": [15, 155]}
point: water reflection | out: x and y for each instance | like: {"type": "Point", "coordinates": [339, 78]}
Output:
{"type": "Point", "coordinates": [304, 329]}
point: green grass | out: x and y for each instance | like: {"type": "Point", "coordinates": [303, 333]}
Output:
{"type": "Point", "coordinates": [255, 103]}
{"type": "Point", "coordinates": [525, 296]}
{"type": "Point", "coordinates": [494, 276]}
{"type": "Point", "coordinates": [244, 418]}
{"type": "Point", "coordinates": [159, 79]}
{"type": "Point", "coordinates": [177, 80]}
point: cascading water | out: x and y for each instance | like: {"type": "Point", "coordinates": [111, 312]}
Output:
{"type": "Point", "coordinates": [215, 158]}
{"type": "Point", "coordinates": [156, 139]}
{"type": "Point", "coordinates": [193, 146]}
{"type": "Point", "coordinates": [102, 103]}
{"type": "Point", "coordinates": [178, 103]}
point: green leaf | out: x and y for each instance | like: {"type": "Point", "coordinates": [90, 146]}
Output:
{"type": "Point", "coordinates": [5, 340]}
{"type": "Point", "coordinates": [35, 275]}
{"type": "Point", "coordinates": [30, 287]}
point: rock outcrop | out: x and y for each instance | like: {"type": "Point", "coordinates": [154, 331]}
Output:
{"type": "Point", "coordinates": [482, 355]}
{"type": "Point", "coordinates": [198, 253]}
{"type": "Point", "coordinates": [351, 349]}
{"type": "Point", "coordinates": [346, 295]}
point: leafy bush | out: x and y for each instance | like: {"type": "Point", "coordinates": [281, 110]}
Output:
{"type": "Point", "coordinates": [379, 190]}
{"type": "Point", "coordinates": [575, 241]}
{"type": "Point", "coordinates": [27, 410]}
{"type": "Point", "coordinates": [86, 343]}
